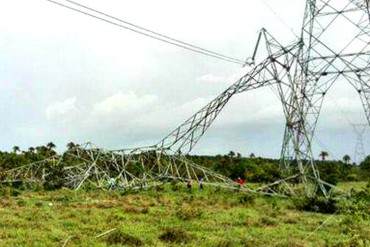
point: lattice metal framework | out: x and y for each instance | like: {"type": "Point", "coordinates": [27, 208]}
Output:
{"type": "Point", "coordinates": [359, 130]}
{"type": "Point", "coordinates": [334, 46]}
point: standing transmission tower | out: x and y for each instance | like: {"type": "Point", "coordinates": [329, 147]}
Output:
{"type": "Point", "coordinates": [333, 47]}
{"type": "Point", "coordinates": [360, 130]}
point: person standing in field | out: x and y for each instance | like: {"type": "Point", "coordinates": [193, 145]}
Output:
{"type": "Point", "coordinates": [189, 184]}
{"type": "Point", "coordinates": [200, 183]}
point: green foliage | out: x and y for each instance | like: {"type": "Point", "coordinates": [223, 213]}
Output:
{"type": "Point", "coordinates": [48, 218]}
{"type": "Point", "coordinates": [365, 167]}
{"type": "Point", "coordinates": [187, 212]}
{"type": "Point", "coordinates": [7, 191]}
{"type": "Point", "coordinates": [268, 221]}
{"type": "Point", "coordinates": [358, 204]}
{"type": "Point", "coordinates": [247, 199]}
{"type": "Point", "coordinates": [226, 243]}
{"type": "Point", "coordinates": [232, 165]}
{"type": "Point", "coordinates": [261, 170]}
{"type": "Point", "coordinates": [357, 232]}
{"type": "Point", "coordinates": [175, 235]}
{"type": "Point", "coordinates": [121, 238]}
{"type": "Point", "coordinates": [316, 204]}
{"type": "Point", "coordinates": [55, 178]}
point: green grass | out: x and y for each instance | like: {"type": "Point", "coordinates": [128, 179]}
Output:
{"type": "Point", "coordinates": [169, 218]}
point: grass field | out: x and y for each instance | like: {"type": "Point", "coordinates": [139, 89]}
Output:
{"type": "Point", "coordinates": [170, 217]}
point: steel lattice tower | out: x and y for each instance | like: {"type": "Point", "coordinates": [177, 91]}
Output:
{"type": "Point", "coordinates": [359, 153]}
{"type": "Point", "coordinates": [302, 73]}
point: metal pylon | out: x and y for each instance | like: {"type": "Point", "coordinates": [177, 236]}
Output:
{"type": "Point", "coordinates": [359, 154]}
{"type": "Point", "coordinates": [333, 47]}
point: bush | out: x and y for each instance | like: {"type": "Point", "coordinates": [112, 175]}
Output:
{"type": "Point", "coordinates": [173, 235]}
{"type": "Point", "coordinates": [5, 191]}
{"type": "Point", "coordinates": [247, 199]}
{"type": "Point", "coordinates": [121, 238]}
{"type": "Point", "coordinates": [316, 204]}
{"type": "Point", "coordinates": [55, 179]}
{"type": "Point", "coordinates": [225, 243]}
{"type": "Point", "coordinates": [8, 192]}
{"type": "Point", "coordinates": [268, 221]}
{"type": "Point", "coordinates": [359, 235]}
{"type": "Point", "coordinates": [175, 185]}
{"type": "Point", "coordinates": [358, 204]}
{"type": "Point", "coordinates": [136, 210]}
{"type": "Point", "coordinates": [352, 177]}
{"type": "Point", "coordinates": [188, 213]}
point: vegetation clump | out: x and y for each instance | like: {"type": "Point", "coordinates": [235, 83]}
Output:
{"type": "Point", "coordinates": [121, 238]}
{"type": "Point", "coordinates": [136, 210]}
{"type": "Point", "coordinates": [175, 235]}
{"type": "Point", "coordinates": [247, 199]}
{"type": "Point", "coordinates": [188, 213]}
{"type": "Point", "coordinates": [316, 204]}
{"type": "Point", "coordinates": [358, 204]}
{"type": "Point", "coordinates": [268, 221]}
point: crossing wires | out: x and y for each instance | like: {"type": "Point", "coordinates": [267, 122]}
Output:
{"type": "Point", "coordinates": [121, 23]}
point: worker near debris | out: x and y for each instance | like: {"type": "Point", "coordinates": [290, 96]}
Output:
{"type": "Point", "coordinates": [200, 181]}
{"type": "Point", "coordinates": [189, 184]}
{"type": "Point", "coordinates": [111, 183]}
{"type": "Point", "coordinates": [240, 181]}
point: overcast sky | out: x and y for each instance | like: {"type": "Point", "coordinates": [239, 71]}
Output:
{"type": "Point", "coordinates": [66, 77]}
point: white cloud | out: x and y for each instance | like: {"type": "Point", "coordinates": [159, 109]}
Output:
{"type": "Point", "coordinates": [63, 110]}
{"type": "Point", "coordinates": [210, 78]}
{"type": "Point", "coordinates": [132, 89]}
{"type": "Point", "coordinates": [124, 104]}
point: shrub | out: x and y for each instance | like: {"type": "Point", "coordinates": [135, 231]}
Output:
{"type": "Point", "coordinates": [55, 179]}
{"type": "Point", "coordinates": [352, 177]}
{"type": "Point", "coordinates": [225, 243]}
{"type": "Point", "coordinates": [188, 213]}
{"type": "Point", "coordinates": [247, 199]}
{"type": "Point", "coordinates": [316, 204]}
{"type": "Point", "coordinates": [174, 235]}
{"type": "Point", "coordinates": [121, 238]}
{"type": "Point", "coordinates": [22, 203]}
{"type": "Point", "coordinates": [175, 185]}
{"type": "Point", "coordinates": [136, 210]}
{"type": "Point", "coordinates": [358, 204]}
{"type": "Point", "coordinates": [359, 235]}
{"type": "Point", "coordinates": [268, 221]}
{"type": "Point", "coordinates": [159, 188]}
{"type": "Point", "coordinates": [9, 191]}
{"type": "Point", "coordinates": [5, 192]}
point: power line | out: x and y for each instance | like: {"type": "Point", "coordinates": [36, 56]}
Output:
{"type": "Point", "coordinates": [152, 32]}
{"type": "Point", "coordinates": [280, 18]}
{"type": "Point", "coordinates": [146, 32]}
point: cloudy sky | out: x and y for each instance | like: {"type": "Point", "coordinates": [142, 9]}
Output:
{"type": "Point", "coordinates": [66, 77]}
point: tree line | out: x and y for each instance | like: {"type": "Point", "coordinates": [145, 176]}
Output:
{"type": "Point", "coordinates": [232, 165]}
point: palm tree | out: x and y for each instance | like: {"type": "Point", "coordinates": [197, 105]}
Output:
{"type": "Point", "coordinates": [231, 154]}
{"type": "Point", "coordinates": [71, 145]}
{"type": "Point", "coordinates": [346, 159]}
{"type": "Point", "coordinates": [31, 149]}
{"type": "Point", "coordinates": [252, 156]}
{"type": "Point", "coordinates": [16, 149]}
{"type": "Point", "coordinates": [41, 150]}
{"type": "Point", "coordinates": [51, 146]}
{"type": "Point", "coordinates": [323, 155]}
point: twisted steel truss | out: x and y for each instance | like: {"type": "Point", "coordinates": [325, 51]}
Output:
{"type": "Point", "coordinates": [334, 46]}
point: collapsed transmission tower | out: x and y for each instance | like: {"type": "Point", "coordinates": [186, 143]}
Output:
{"type": "Point", "coordinates": [334, 46]}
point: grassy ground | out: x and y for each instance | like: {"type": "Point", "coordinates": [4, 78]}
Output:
{"type": "Point", "coordinates": [169, 218]}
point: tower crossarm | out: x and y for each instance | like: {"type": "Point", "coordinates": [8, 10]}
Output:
{"type": "Point", "coordinates": [184, 138]}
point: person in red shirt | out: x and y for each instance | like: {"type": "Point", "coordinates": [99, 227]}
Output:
{"type": "Point", "coordinates": [240, 181]}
